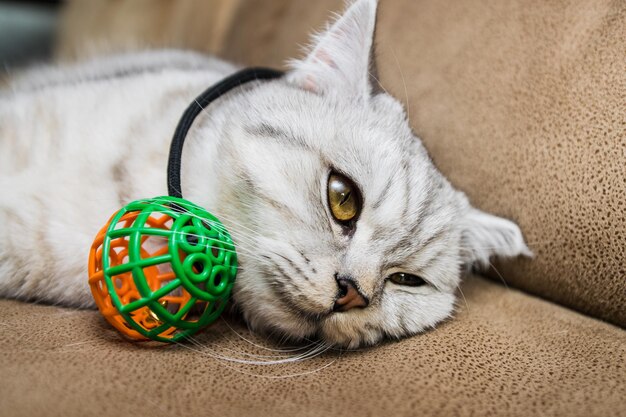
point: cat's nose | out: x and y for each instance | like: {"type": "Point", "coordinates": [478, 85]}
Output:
{"type": "Point", "coordinates": [348, 295]}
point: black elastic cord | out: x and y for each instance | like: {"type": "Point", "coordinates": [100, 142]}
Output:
{"type": "Point", "coordinates": [195, 108]}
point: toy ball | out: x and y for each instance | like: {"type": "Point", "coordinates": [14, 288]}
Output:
{"type": "Point", "coordinates": [162, 269]}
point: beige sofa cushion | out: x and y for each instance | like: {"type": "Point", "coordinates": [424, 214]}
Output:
{"type": "Point", "coordinates": [506, 353]}
{"type": "Point", "coordinates": [522, 105]}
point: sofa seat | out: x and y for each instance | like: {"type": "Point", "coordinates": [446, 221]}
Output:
{"type": "Point", "coordinates": [505, 353]}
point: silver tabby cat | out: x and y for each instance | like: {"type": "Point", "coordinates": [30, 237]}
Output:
{"type": "Point", "coordinates": [345, 229]}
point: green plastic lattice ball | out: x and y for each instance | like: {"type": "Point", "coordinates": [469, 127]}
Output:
{"type": "Point", "coordinates": [162, 269]}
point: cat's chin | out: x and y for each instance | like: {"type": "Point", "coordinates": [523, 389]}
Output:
{"type": "Point", "coordinates": [334, 335]}
{"type": "Point", "coordinates": [325, 332]}
{"type": "Point", "coordinates": [340, 330]}
{"type": "Point", "coordinates": [347, 330]}
{"type": "Point", "coordinates": [354, 329]}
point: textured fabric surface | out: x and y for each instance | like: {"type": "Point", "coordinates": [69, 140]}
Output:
{"type": "Point", "coordinates": [506, 353]}
{"type": "Point", "coordinates": [521, 104]}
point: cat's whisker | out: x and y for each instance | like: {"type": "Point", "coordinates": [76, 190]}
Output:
{"type": "Point", "coordinates": [239, 370]}
{"type": "Point", "coordinates": [309, 354]}
{"type": "Point", "coordinates": [239, 239]}
{"type": "Point", "coordinates": [463, 295]}
{"type": "Point", "coordinates": [331, 347]}
{"type": "Point", "coordinates": [242, 238]}
{"type": "Point", "coordinates": [234, 233]}
{"type": "Point", "coordinates": [499, 275]}
{"type": "Point", "coordinates": [263, 347]}
{"type": "Point", "coordinates": [378, 81]}
{"type": "Point", "coordinates": [213, 223]}
{"type": "Point", "coordinates": [186, 234]}
{"type": "Point", "coordinates": [273, 352]}
{"type": "Point", "coordinates": [225, 250]}
{"type": "Point", "coordinates": [267, 359]}
{"type": "Point", "coordinates": [230, 219]}
{"type": "Point", "coordinates": [536, 243]}
{"type": "Point", "coordinates": [406, 91]}
{"type": "Point", "coordinates": [238, 248]}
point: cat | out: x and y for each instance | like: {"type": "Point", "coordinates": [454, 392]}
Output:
{"type": "Point", "coordinates": [345, 229]}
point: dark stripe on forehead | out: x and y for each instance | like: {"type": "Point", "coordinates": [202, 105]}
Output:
{"type": "Point", "coordinates": [409, 234]}
{"type": "Point", "coordinates": [247, 179]}
{"type": "Point", "coordinates": [424, 211]}
{"type": "Point", "coordinates": [438, 234]}
{"type": "Point", "coordinates": [383, 195]}
{"type": "Point", "coordinates": [410, 241]}
{"type": "Point", "coordinates": [407, 187]}
{"type": "Point", "coordinates": [382, 234]}
{"type": "Point", "coordinates": [265, 130]}
{"type": "Point", "coordinates": [313, 218]}
{"type": "Point", "coordinates": [431, 259]}
{"type": "Point", "coordinates": [404, 242]}
{"type": "Point", "coordinates": [281, 208]}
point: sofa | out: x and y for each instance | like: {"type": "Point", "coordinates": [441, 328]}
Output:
{"type": "Point", "coordinates": [522, 104]}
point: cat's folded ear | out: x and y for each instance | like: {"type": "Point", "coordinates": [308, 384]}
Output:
{"type": "Point", "coordinates": [485, 235]}
{"type": "Point", "coordinates": [341, 59]}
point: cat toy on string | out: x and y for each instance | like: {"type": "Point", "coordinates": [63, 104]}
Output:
{"type": "Point", "coordinates": [163, 268]}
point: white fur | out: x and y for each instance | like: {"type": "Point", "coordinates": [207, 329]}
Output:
{"type": "Point", "coordinates": [77, 142]}
{"type": "Point", "coordinates": [339, 61]}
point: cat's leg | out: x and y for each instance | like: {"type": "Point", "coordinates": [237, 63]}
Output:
{"type": "Point", "coordinates": [43, 251]}
{"type": "Point", "coordinates": [42, 256]}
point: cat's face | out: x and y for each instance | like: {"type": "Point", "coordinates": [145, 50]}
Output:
{"type": "Point", "coordinates": [345, 230]}
{"type": "Point", "coordinates": [400, 216]}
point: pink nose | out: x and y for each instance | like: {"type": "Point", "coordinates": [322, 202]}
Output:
{"type": "Point", "coordinates": [348, 296]}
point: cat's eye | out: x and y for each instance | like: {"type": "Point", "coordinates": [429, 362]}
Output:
{"type": "Point", "coordinates": [344, 198]}
{"type": "Point", "coordinates": [410, 280]}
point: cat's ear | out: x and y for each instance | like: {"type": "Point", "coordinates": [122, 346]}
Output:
{"type": "Point", "coordinates": [341, 60]}
{"type": "Point", "coordinates": [485, 235]}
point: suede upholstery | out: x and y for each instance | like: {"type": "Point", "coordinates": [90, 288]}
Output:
{"type": "Point", "coordinates": [521, 105]}
{"type": "Point", "coordinates": [505, 353]}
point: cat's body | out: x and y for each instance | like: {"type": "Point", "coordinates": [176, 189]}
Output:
{"type": "Point", "coordinates": [78, 142]}
{"type": "Point", "coordinates": [76, 145]}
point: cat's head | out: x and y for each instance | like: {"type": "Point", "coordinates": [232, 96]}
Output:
{"type": "Point", "coordinates": [345, 229]}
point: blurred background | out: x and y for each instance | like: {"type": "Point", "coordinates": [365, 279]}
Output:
{"type": "Point", "coordinates": [28, 30]}
{"type": "Point", "coordinates": [245, 31]}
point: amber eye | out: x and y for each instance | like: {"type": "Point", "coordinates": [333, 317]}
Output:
{"type": "Point", "coordinates": [401, 278]}
{"type": "Point", "coordinates": [344, 198]}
